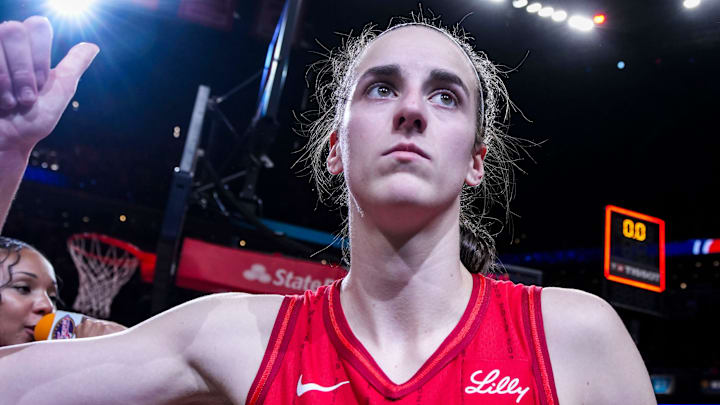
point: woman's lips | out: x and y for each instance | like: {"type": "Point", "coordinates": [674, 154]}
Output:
{"type": "Point", "coordinates": [407, 150]}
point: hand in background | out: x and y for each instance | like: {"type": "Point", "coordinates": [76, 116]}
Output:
{"type": "Point", "coordinates": [33, 97]}
{"type": "Point", "coordinates": [96, 327]}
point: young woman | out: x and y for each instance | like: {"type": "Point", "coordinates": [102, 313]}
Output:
{"type": "Point", "coordinates": [29, 291]}
{"type": "Point", "coordinates": [411, 116]}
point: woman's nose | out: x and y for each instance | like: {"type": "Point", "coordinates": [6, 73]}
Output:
{"type": "Point", "coordinates": [43, 304]}
{"type": "Point", "coordinates": [410, 115]}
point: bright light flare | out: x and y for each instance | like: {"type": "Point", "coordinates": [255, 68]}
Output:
{"type": "Point", "coordinates": [559, 16]}
{"type": "Point", "coordinates": [691, 3]}
{"type": "Point", "coordinates": [599, 19]}
{"type": "Point", "coordinates": [580, 23]}
{"type": "Point", "coordinates": [519, 3]}
{"type": "Point", "coordinates": [72, 14]}
{"type": "Point", "coordinates": [70, 7]}
{"type": "Point", "coordinates": [534, 8]}
{"type": "Point", "coordinates": [545, 12]}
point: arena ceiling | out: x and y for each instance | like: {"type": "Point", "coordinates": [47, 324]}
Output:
{"type": "Point", "coordinates": [643, 137]}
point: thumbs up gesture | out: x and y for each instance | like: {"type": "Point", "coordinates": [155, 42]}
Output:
{"type": "Point", "coordinates": [33, 96]}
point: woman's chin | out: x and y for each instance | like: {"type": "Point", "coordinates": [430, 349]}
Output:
{"type": "Point", "coordinates": [407, 192]}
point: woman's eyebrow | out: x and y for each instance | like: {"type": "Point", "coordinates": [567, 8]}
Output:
{"type": "Point", "coordinates": [382, 71]}
{"type": "Point", "coordinates": [55, 284]}
{"type": "Point", "coordinates": [436, 75]}
{"type": "Point", "coordinates": [440, 75]}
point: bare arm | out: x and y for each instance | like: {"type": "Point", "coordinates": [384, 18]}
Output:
{"type": "Point", "coordinates": [98, 327]}
{"type": "Point", "coordinates": [213, 345]}
{"type": "Point", "coordinates": [32, 96]}
{"type": "Point", "coordinates": [593, 357]}
{"type": "Point", "coordinates": [12, 167]}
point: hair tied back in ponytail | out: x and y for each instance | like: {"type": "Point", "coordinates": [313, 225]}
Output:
{"type": "Point", "coordinates": [477, 251]}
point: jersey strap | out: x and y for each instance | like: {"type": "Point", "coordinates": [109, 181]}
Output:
{"type": "Point", "coordinates": [277, 346]}
{"type": "Point", "coordinates": [542, 369]}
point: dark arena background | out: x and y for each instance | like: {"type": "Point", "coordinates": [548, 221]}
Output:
{"type": "Point", "coordinates": [621, 197]}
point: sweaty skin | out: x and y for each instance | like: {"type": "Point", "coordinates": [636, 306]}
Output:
{"type": "Point", "coordinates": [406, 146]}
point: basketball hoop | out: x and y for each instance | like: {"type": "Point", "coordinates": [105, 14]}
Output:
{"type": "Point", "coordinates": [104, 265]}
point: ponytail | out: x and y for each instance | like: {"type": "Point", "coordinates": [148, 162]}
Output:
{"type": "Point", "coordinates": [477, 251]}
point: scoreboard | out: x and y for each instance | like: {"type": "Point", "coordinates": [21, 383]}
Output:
{"type": "Point", "coordinates": [634, 249]}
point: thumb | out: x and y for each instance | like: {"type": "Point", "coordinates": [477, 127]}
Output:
{"type": "Point", "coordinates": [76, 62]}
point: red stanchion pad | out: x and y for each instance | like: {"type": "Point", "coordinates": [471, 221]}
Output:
{"type": "Point", "coordinates": [208, 267]}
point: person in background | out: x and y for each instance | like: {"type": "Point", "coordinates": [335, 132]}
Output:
{"type": "Point", "coordinates": [29, 291]}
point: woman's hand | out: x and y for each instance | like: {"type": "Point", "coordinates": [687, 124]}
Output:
{"type": "Point", "coordinates": [33, 96]}
{"type": "Point", "coordinates": [96, 327]}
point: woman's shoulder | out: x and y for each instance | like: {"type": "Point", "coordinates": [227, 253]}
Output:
{"type": "Point", "coordinates": [236, 322]}
{"type": "Point", "coordinates": [576, 320]}
{"type": "Point", "coordinates": [233, 305]}
{"type": "Point", "coordinates": [577, 309]}
{"type": "Point", "coordinates": [254, 314]}
{"type": "Point", "coordinates": [583, 329]}
{"type": "Point", "coordinates": [225, 336]}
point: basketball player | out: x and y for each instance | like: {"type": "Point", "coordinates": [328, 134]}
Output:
{"type": "Point", "coordinates": [412, 114]}
{"type": "Point", "coordinates": [28, 291]}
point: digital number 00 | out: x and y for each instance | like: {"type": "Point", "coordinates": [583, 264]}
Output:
{"type": "Point", "coordinates": [634, 230]}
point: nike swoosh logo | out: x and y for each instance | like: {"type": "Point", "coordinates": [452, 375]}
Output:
{"type": "Point", "coordinates": [303, 388]}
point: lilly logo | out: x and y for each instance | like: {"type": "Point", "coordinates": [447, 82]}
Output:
{"type": "Point", "coordinates": [505, 386]}
{"type": "Point", "coordinates": [257, 272]}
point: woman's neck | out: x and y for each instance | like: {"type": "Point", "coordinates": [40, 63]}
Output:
{"type": "Point", "coordinates": [405, 288]}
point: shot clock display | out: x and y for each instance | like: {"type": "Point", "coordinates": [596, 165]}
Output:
{"type": "Point", "coordinates": [634, 249]}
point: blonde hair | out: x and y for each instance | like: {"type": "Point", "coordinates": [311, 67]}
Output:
{"type": "Point", "coordinates": [334, 80]}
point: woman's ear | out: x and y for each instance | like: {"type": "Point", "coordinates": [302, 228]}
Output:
{"type": "Point", "coordinates": [477, 166]}
{"type": "Point", "coordinates": [334, 159]}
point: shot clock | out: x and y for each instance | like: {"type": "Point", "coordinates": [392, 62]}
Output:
{"type": "Point", "coordinates": [634, 249]}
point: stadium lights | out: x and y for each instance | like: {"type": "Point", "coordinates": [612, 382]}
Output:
{"type": "Point", "coordinates": [691, 3]}
{"type": "Point", "coordinates": [559, 16]}
{"type": "Point", "coordinates": [576, 22]}
{"type": "Point", "coordinates": [545, 12]}
{"type": "Point", "coordinates": [580, 23]}
{"type": "Point", "coordinates": [70, 8]}
{"type": "Point", "coordinates": [534, 8]}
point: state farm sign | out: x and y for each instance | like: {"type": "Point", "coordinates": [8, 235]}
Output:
{"type": "Point", "coordinates": [284, 278]}
{"type": "Point", "coordinates": [213, 268]}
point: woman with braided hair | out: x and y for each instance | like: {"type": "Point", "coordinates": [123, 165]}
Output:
{"type": "Point", "coordinates": [410, 126]}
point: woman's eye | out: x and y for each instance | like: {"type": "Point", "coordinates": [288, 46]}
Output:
{"type": "Point", "coordinates": [23, 289]}
{"type": "Point", "coordinates": [444, 98]}
{"type": "Point", "coordinates": [380, 91]}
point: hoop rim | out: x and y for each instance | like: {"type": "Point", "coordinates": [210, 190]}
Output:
{"type": "Point", "coordinates": [147, 260]}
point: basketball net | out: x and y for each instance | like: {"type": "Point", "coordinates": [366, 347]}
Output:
{"type": "Point", "coordinates": [104, 265]}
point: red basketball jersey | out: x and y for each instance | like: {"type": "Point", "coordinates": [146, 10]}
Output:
{"type": "Point", "coordinates": [495, 355]}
